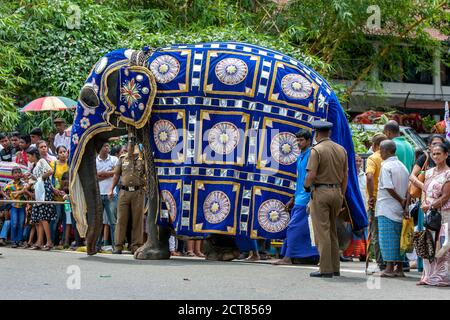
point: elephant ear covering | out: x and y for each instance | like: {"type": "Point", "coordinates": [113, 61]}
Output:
{"type": "Point", "coordinates": [132, 99]}
{"type": "Point", "coordinates": [223, 135]}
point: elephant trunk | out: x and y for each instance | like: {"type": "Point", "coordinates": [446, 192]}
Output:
{"type": "Point", "coordinates": [151, 183]}
{"type": "Point", "coordinates": [94, 206]}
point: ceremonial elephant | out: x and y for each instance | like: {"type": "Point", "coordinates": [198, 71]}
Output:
{"type": "Point", "coordinates": [217, 124]}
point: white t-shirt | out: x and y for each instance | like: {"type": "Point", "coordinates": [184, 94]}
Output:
{"type": "Point", "coordinates": [106, 165]}
{"type": "Point", "coordinates": [393, 175]}
{"type": "Point", "coordinates": [62, 139]}
{"type": "Point", "coordinates": [362, 184]}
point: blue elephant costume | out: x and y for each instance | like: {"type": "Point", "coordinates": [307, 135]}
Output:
{"type": "Point", "coordinates": [224, 118]}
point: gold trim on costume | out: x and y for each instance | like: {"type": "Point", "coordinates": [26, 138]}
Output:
{"type": "Point", "coordinates": [266, 122]}
{"type": "Point", "coordinates": [236, 188]}
{"type": "Point", "coordinates": [249, 93]}
{"type": "Point", "coordinates": [257, 189]}
{"type": "Point", "coordinates": [274, 97]}
{"type": "Point", "coordinates": [245, 118]}
{"type": "Point", "coordinates": [184, 136]}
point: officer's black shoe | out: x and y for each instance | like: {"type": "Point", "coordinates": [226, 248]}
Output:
{"type": "Point", "coordinates": [117, 251]}
{"type": "Point", "coordinates": [317, 274]}
{"type": "Point", "coordinates": [336, 274]}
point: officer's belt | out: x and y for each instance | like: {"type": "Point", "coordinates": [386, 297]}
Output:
{"type": "Point", "coordinates": [324, 185]}
{"type": "Point", "coordinates": [136, 188]}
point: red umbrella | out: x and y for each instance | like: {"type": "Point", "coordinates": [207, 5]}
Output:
{"type": "Point", "coordinates": [50, 104]}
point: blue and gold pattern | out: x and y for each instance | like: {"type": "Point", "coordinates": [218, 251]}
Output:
{"type": "Point", "coordinates": [170, 211]}
{"type": "Point", "coordinates": [165, 68]}
{"type": "Point", "coordinates": [236, 108]}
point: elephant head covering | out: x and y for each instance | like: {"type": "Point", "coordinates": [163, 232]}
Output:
{"type": "Point", "coordinates": [223, 126]}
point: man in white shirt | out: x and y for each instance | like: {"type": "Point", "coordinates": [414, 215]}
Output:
{"type": "Point", "coordinates": [391, 207]}
{"type": "Point", "coordinates": [105, 172]}
{"type": "Point", "coordinates": [61, 137]}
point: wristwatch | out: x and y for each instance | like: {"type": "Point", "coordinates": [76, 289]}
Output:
{"type": "Point", "coordinates": [307, 189]}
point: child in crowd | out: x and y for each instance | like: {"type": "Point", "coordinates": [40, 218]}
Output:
{"type": "Point", "coordinates": [16, 190]}
{"type": "Point", "coordinates": [64, 189]}
{"type": "Point", "coordinates": [21, 156]}
{"type": "Point", "coordinates": [70, 221]}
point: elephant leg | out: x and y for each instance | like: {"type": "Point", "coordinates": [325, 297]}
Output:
{"type": "Point", "coordinates": [92, 195]}
{"type": "Point", "coordinates": [221, 248]}
{"type": "Point", "coordinates": [157, 245]}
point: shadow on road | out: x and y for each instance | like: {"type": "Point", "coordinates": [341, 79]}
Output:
{"type": "Point", "coordinates": [132, 261]}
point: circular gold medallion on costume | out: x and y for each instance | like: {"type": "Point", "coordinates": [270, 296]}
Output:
{"type": "Point", "coordinates": [216, 207]}
{"type": "Point", "coordinates": [296, 86]}
{"type": "Point", "coordinates": [165, 135]}
{"type": "Point", "coordinates": [231, 71]}
{"type": "Point", "coordinates": [165, 68]}
{"type": "Point", "coordinates": [284, 148]}
{"type": "Point", "coordinates": [223, 137]}
{"type": "Point", "coordinates": [171, 204]}
{"type": "Point", "coordinates": [272, 216]}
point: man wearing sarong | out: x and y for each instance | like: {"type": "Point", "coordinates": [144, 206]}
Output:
{"type": "Point", "coordinates": [390, 208]}
{"type": "Point", "coordinates": [298, 247]}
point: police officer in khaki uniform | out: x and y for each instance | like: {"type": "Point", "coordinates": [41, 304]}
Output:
{"type": "Point", "coordinates": [131, 170]}
{"type": "Point", "coordinates": [327, 179]}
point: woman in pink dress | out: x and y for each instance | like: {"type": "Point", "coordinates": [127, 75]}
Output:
{"type": "Point", "coordinates": [437, 196]}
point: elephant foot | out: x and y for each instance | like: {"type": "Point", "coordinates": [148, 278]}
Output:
{"type": "Point", "coordinates": [219, 248]}
{"type": "Point", "coordinates": [91, 248]}
{"type": "Point", "coordinates": [147, 252]}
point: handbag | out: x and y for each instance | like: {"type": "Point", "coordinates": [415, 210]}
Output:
{"type": "Point", "coordinates": [414, 191]}
{"type": "Point", "coordinates": [414, 212]}
{"type": "Point", "coordinates": [39, 190]}
{"type": "Point", "coordinates": [407, 235]}
{"type": "Point", "coordinates": [433, 220]}
{"type": "Point", "coordinates": [424, 244]}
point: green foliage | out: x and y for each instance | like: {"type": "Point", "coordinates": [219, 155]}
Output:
{"type": "Point", "coordinates": [361, 139]}
{"type": "Point", "coordinates": [428, 123]}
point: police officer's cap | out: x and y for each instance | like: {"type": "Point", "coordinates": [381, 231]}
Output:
{"type": "Point", "coordinates": [319, 125]}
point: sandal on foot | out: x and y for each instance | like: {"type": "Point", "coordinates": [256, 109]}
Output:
{"type": "Point", "coordinates": [47, 248]}
{"type": "Point", "coordinates": [387, 275]}
{"type": "Point", "coordinates": [190, 254]}
{"type": "Point", "coordinates": [35, 247]}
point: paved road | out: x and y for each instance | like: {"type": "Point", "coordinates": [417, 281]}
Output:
{"type": "Point", "coordinates": [44, 275]}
